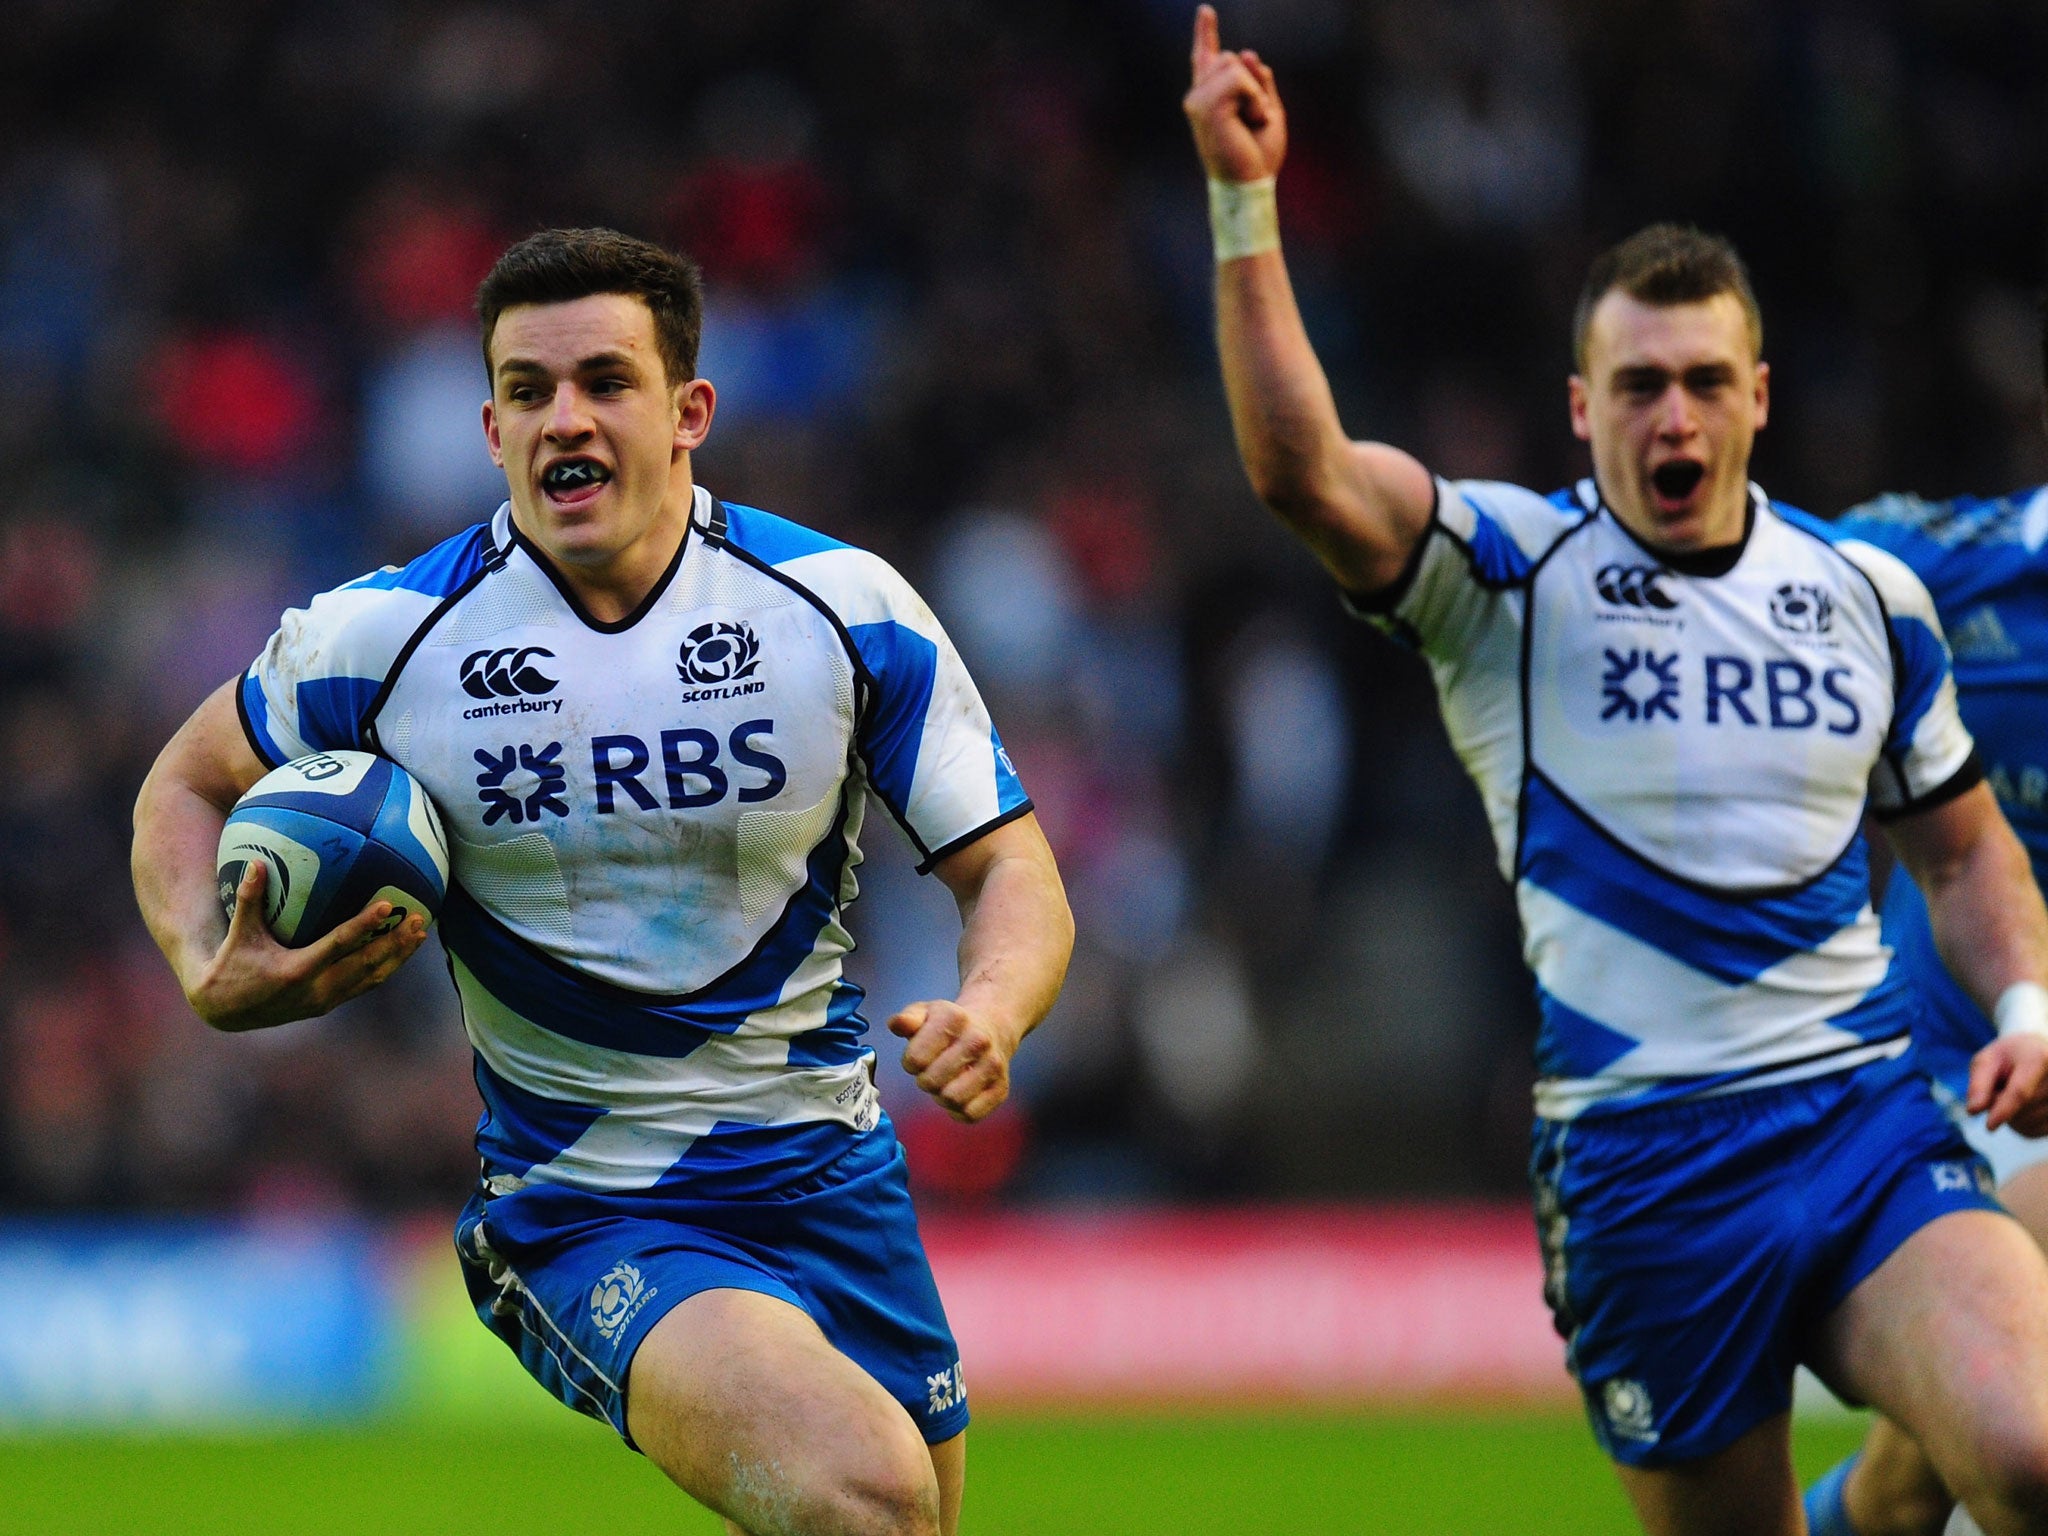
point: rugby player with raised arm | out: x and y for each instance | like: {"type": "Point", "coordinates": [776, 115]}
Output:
{"type": "Point", "coordinates": [1678, 699]}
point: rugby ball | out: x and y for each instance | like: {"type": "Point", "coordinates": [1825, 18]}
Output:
{"type": "Point", "coordinates": [338, 830]}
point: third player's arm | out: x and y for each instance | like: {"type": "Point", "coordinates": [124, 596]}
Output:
{"type": "Point", "coordinates": [1360, 507]}
{"type": "Point", "coordinates": [1016, 935]}
{"type": "Point", "coordinates": [1992, 930]}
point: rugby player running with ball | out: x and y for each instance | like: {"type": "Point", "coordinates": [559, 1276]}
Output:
{"type": "Point", "coordinates": [692, 1218]}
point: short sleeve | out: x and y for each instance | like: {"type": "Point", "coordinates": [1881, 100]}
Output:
{"type": "Point", "coordinates": [1483, 539]}
{"type": "Point", "coordinates": [931, 751]}
{"type": "Point", "coordinates": [1928, 755]}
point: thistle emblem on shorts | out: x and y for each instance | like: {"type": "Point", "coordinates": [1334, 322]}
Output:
{"type": "Point", "coordinates": [1630, 1414]}
{"type": "Point", "coordinates": [723, 651]}
{"type": "Point", "coordinates": [616, 1297]}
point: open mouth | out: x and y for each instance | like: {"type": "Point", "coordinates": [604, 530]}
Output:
{"type": "Point", "coordinates": [1677, 479]}
{"type": "Point", "coordinates": [574, 479]}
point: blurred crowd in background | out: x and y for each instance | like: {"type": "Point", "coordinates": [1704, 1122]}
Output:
{"type": "Point", "coordinates": [958, 312]}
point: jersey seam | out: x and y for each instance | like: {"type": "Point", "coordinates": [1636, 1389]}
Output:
{"type": "Point", "coordinates": [1698, 887]}
{"type": "Point", "coordinates": [1893, 759]}
{"type": "Point", "coordinates": [630, 996]}
{"type": "Point", "coordinates": [869, 688]}
{"type": "Point", "coordinates": [366, 723]}
{"type": "Point", "coordinates": [1522, 687]}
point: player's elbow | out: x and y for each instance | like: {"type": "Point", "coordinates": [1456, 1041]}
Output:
{"type": "Point", "coordinates": [1289, 488]}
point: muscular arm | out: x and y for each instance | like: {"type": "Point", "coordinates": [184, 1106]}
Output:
{"type": "Point", "coordinates": [1992, 930]}
{"type": "Point", "coordinates": [234, 974]}
{"type": "Point", "coordinates": [1360, 507]}
{"type": "Point", "coordinates": [1016, 934]}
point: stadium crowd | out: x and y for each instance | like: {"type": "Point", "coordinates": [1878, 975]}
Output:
{"type": "Point", "coordinates": [959, 313]}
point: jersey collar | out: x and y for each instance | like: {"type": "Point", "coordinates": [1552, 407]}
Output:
{"type": "Point", "coordinates": [1718, 561]}
{"type": "Point", "coordinates": [702, 498]}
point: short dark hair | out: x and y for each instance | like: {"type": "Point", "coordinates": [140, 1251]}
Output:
{"type": "Point", "coordinates": [556, 266]}
{"type": "Point", "coordinates": [1667, 264]}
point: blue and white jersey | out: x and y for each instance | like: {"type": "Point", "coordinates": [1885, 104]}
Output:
{"type": "Point", "coordinates": [1675, 756]}
{"type": "Point", "coordinates": [1983, 562]}
{"type": "Point", "coordinates": [653, 826]}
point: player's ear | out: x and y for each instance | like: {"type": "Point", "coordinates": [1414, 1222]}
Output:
{"type": "Point", "coordinates": [1577, 393]}
{"type": "Point", "coordinates": [491, 434]}
{"type": "Point", "coordinates": [1763, 393]}
{"type": "Point", "coordinates": [695, 403]}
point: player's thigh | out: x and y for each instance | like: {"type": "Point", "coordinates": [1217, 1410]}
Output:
{"type": "Point", "coordinates": [2025, 1194]}
{"type": "Point", "coordinates": [1949, 1338]}
{"type": "Point", "coordinates": [1746, 1489]}
{"type": "Point", "coordinates": [741, 1400]}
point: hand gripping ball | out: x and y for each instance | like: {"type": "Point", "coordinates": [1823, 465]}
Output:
{"type": "Point", "coordinates": [338, 830]}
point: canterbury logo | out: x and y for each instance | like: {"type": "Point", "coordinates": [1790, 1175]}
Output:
{"type": "Point", "coordinates": [1634, 586]}
{"type": "Point", "coordinates": [506, 673]}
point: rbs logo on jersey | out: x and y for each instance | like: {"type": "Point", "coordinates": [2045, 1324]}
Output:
{"type": "Point", "coordinates": [1784, 694]}
{"type": "Point", "coordinates": [691, 771]}
{"type": "Point", "coordinates": [520, 783]}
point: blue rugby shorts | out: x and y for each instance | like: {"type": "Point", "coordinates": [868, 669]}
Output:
{"type": "Point", "coordinates": [572, 1281]}
{"type": "Point", "coordinates": [1691, 1249]}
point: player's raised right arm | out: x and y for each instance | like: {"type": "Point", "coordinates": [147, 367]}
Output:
{"type": "Point", "coordinates": [1360, 507]}
{"type": "Point", "coordinates": [234, 974]}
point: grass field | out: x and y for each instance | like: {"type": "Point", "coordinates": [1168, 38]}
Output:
{"type": "Point", "coordinates": [1438, 1474]}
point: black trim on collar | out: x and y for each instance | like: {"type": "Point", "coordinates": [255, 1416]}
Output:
{"type": "Point", "coordinates": [1718, 561]}
{"type": "Point", "coordinates": [590, 621]}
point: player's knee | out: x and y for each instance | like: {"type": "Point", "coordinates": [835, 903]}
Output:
{"type": "Point", "coordinates": [2014, 1479]}
{"type": "Point", "coordinates": [896, 1494]}
{"type": "Point", "coordinates": [883, 1486]}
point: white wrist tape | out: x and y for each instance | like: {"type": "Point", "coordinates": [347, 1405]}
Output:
{"type": "Point", "coordinates": [2022, 1009]}
{"type": "Point", "coordinates": [1244, 218]}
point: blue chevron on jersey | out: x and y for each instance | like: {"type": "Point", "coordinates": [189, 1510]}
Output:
{"type": "Point", "coordinates": [1730, 935]}
{"type": "Point", "coordinates": [519, 1128]}
{"type": "Point", "coordinates": [653, 827]}
{"type": "Point", "coordinates": [1676, 761]}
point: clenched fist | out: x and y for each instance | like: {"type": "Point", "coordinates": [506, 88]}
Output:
{"type": "Point", "coordinates": [1234, 109]}
{"type": "Point", "coordinates": [957, 1057]}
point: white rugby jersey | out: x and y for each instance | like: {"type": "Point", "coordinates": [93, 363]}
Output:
{"type": "Point", "coordinates": [652, 826]}
{"type": "Point", "coordinates": [1675, 755]}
